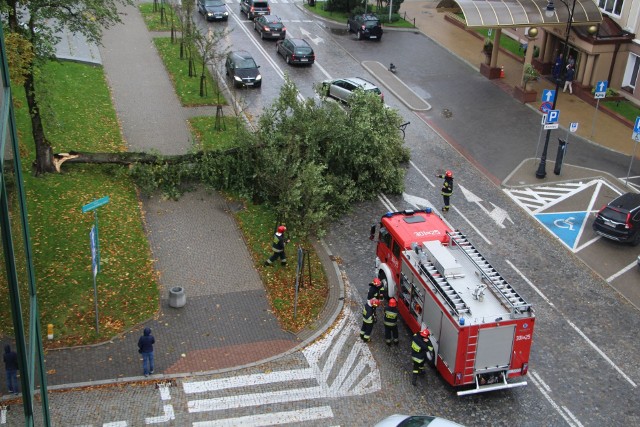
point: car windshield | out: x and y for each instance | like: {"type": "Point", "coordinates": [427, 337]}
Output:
{"type": "Point", "coordinates": [214, 3]}
{"type": "Point", "coordinates": [375, 90]}
{"type": "Point", "coordinates": [260, 4]}
{"type": "Point", "coordinates": [370, 24]}
{"type": "Point", "coordinates": [275, 24]}
{"type": "Point", "coordinates": [613, 215]}
{"type": "Point", "coordinates": [246, 63]}
{"type": "Point", "coordinates": [303, 50]}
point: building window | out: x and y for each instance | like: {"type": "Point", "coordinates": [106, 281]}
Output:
{"type": "Point", "coordinates": [611, 7]}
{"type": "Point", "coordinates": [631, 72]}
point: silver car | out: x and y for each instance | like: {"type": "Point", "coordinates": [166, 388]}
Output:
{"type": "Point", "coordinates": [342, 89]}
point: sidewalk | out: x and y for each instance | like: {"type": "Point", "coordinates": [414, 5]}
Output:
{"type": "Point", "coordinates": [226, 322]}
{"type": "Point", "coordinates": [607, 131]}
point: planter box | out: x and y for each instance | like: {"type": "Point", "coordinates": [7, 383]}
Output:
{"type": "Point", "coordinates": [524, 96]}
{"type": "Point", "coordinates": [490, 73]}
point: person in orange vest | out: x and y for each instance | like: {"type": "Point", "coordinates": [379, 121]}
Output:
{"type": "Point", "coordinates": [447, 188]}
{"type": "Point", "coordinates": [277, 246]}
{"type": "Point", "coordinates": [367, 319]}
{"type": "Point", "coordinates": [391, 322]}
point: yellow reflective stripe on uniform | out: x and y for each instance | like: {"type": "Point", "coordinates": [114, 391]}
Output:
{"type": "Point", "coordinates": [415, 347]}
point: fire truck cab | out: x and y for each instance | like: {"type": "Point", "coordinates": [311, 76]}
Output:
{"type": "Point", "coordinates": [481, 328]}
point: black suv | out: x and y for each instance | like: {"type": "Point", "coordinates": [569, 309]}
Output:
{"type": "Point", "coordinates": [242, 69]}
{"type": "Point", "coordinates": [253, 8]}
{"type": "Point", "coordinates": [269, 27]}
{"type": "Point", "coordinates": [213, 10]}
{"type": "Point", "coordinates": [620, 219]}
{"type": "Point", "coordinates": [295, 51]}
{"type": "Point", "coordinates": [365, 26]}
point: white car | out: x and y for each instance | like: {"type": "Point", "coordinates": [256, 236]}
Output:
{"type": "Point", "coordinates": [342, 89]}
{"type": "Point", "coordinates": [398, 420]}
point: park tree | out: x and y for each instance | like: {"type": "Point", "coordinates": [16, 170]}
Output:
{"type": "Point", "coordinates": [41, 22]}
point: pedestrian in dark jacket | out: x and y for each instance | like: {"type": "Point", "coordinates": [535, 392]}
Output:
{"type": "Point", "coordinates": [447, 188]}
{"type": "Point", "coordinates": [145, 347]}
{"type": "Point", "coordinates": [11, 368]}
{"type": "Point", "coordinates": [391, 322]}
{"type": "Point", "coordinates": [277, 246]}
{"type": "Point", "coordinates": [568, 79]}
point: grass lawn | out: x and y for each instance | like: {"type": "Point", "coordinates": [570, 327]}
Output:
{"type": "Point", "coordinates": [318, 9]}
{"type": "Point", "coordinates": [187, 88]}
{"type": "Point", "coordinates": [152, 19]}
{"type": "Point", "coordinates": [626, 109]}
{"type": "Point", "coordinates": [506, 43]}
{"type": "Point", "coordinates": [209, 138]}
{"type": "Point", "coordinates": [84, 119]}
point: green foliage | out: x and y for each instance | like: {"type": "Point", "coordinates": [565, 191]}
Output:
{"type": "Point", "coordinates": [625, 108]}
{"type": "Point", "coordinates": [530, 74]}
{"type": "Point", "coordinates": [153, 19]}
{"type": "Point", "coordinates": [610, 92]}
{"type": "Point", "coordinates": [324, 9]}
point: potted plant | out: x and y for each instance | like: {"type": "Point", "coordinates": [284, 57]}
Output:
{"type": "Point", "coordinates": [522, 93]}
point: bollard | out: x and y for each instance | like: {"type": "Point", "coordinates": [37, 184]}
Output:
{"type": "Point", "coordinates": [177, 298]}
{"type": "Point", "coordinates": [562, 148]}
{"type": "Point", "coordinates": [50, 331]}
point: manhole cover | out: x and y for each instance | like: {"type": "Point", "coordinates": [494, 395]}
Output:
{"type": "Point", "coordinates": [447, 113]}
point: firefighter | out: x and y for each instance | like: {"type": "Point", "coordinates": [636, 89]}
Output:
{"type": "Point", "coordinates": [391, 322]}
{"type": "Point", "coordinates": [420, 345]}
{"type": "Point", "coordinates": [367, 319]}
{"type": "Point", "coordinates": [277, 246]}
{"type": "Point", "coordinates": [447, 189]}
{"type": "Point", "coordinates": [377, 290]}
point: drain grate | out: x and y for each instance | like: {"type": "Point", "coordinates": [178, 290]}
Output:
{"type": "Point", "coordinates": [447, 113]}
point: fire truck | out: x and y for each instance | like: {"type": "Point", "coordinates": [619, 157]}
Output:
{"type": "Point", "coordinates": [481, 328]}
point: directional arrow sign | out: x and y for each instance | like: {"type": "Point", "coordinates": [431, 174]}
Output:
{"type": "Point", "coordinates": [417, 202]}
{"type": "Point", "coordinates": [498, 215]}
{"type": "Point", "coordinates": [307, 34]}
{"type": "Point", "coordinates": [548, 95]}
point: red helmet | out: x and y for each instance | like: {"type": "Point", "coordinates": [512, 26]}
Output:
{"type": "Point", "coordinates": [374, 302]}
{"type": "Point", "coordinates": [282, 229]}
{"type": "Point", "coordinates": [449, 174]}
{"type": "Point", "coordinates": [424, 333]}
{"type": "Point", "coordinates": [377, 282]}
{"type": "Point", "coordinates": [392, 302]}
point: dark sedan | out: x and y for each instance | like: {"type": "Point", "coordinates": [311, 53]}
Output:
{"type": "Point", "coordinates": [213, 10]}
{"type": "Point", "coordinates": [295, 51]}
{"type": "Point", "coordinates": [269, 27]}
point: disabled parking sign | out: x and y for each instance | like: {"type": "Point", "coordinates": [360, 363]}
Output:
{"type": "Point", "coordinates": [566, 225]}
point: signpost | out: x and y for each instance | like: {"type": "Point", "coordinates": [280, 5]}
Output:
{"type": "Point", "coordinates": [95, 248]}
{"type": "Point", "coordinates": [600, 93]}
{"type": "Point", "coordinates": [636, 137]}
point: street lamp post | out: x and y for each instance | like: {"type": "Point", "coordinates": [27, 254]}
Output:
{"type": "Point", "coordinates": [541, 172]}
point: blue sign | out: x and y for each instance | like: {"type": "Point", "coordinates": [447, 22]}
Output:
{"type": "Point", "coordinates": [636, 127]}
{"type": "Point", "coordinates": [565, 225]}
{"type": "Point", "coordinates": [553, 116]}
{"type": "Point", "coordinates": [95, 204]}
{"type": "Point", "coordinates": [94, 251]}
{"type": "Point", "coordinates": [601, 89]}
{"type": "Point", "coordinates": [545, 107]}
{"type": "Point", "coordinates": [548, 95]}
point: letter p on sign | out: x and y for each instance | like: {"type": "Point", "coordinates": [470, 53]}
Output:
{"type": "Point", "coordinates": [553, 116]}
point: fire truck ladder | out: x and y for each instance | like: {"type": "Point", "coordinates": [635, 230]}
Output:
{"type": "Point", "coordinates": [450, 295]}
{"type": "Point", "coordinates": [498, 283]}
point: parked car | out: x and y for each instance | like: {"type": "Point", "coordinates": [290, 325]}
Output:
{"type": "Point", "coordinates": [398, 420]}
{"type": "Point", "coordinates": [213, 10]}
{"type": "Point", "coordinates": [269, 27]}
{"type": "Point", "coordinates": [366, 26]}
{"type": "Point", "coordinates": [295, 51]}
{"type": "Point", "coordinates": [342, 89]}
{"type": "Point", "coordinates": [620, 219]}
{"type": "Point", "coordinates": [242, 69]}
{"type": "Point", "coordinates": [253, 8]}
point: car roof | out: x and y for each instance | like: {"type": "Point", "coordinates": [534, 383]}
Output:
{"type": "Point", "coordinates": [627, 201]}
{"type": "Point", "coordinates": [299, 42]}
{"type": "Point", "coordinates": [365, 84]}
{"type": "Point", "coordinates": [241, 54]}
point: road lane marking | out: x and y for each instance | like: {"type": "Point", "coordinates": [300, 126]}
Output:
{"type": "Point", "coordinates": [275, 418]}
{"type": "Point", "coordinates": [165, 418]}
{"type": "Point", "coordinates": [551, 401]}
{"type": "Point", "coordinates": [621, 272]}
{"type": "Point", "coordinates": [566, 319]}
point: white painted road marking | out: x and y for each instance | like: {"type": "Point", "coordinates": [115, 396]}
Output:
{"type": "Point", "coordinates": [275, 418]}
{"type": "Point", "coordinates": [166, 417]}
{"type": "Point", "coordinates": [498, 215]}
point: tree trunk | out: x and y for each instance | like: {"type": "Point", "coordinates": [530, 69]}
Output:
{"type": "Point", "coordinates": [44, 152]}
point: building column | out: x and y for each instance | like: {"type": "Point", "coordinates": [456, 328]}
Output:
{"type": "Point", "coordinates": [588, 70]}
{"type": "Point", "coordinates": [496, 48]}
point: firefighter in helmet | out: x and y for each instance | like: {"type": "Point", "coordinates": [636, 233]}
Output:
{"type": "Point", "coordinates": [420, 345]}
{"type": "Point", "coordinates": [367, 319]}
{"type": "Point", "coordinates": [277, 246]}
{"type": "Point", "coordinates": [377, 290]}
{"type": "Point", "coordinates": [447, 188]}
{"type": "Point", "coordinates": [391, 322]}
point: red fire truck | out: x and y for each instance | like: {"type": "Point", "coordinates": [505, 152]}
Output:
{"type": "Point", "coordinates": [481, 328]}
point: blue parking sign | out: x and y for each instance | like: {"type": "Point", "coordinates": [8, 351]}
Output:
{"type": "Point", "coordinates": [636, 126]}
{"type": "Point", "coordinates": [553, 116]}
